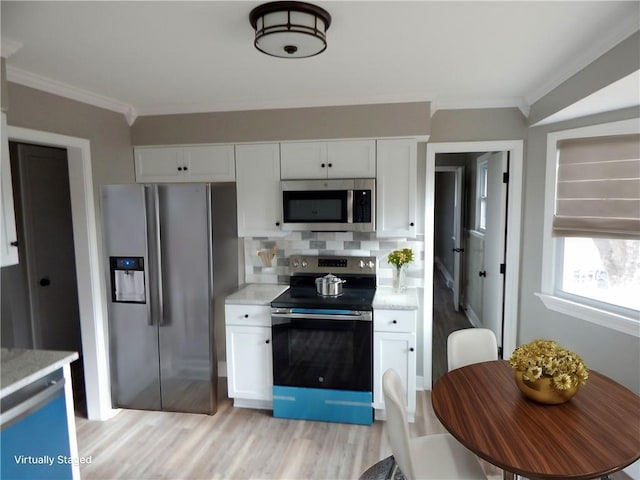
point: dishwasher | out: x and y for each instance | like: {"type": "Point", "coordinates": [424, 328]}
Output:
{"type": "Point", "coordinates": [34, 436]}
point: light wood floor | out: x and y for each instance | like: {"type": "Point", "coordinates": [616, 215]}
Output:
{"type": "Point", "coordinates": [235, 443]}
{"type": "Point", "coordinates": [238, 443]}
{"type": "Point", "coordinates": [445, 321]}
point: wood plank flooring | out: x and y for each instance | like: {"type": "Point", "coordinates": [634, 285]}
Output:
{"type": "Point", "coordinates": [445, 321]}
{"type": "Point", "coordinates": [235, 443]}
{"type": "Point", "coordinates": [238, 443]}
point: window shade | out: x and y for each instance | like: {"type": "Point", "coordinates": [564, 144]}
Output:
{"type": "Point", "coordinates": [598, 187]}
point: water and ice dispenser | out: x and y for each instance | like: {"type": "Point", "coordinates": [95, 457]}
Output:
{"type": "Point", "coordinates": [127, 279]}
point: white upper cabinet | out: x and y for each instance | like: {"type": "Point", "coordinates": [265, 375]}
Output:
{"type": "Point", "coordinates": [210, 163]}
{"type": "Point", "coordinates": [303, 160]}
{"type": "Point", "coordinates": [196, 163]}
{"type": "Point", "coordinates": [396, 184]}
{"type": "Point", "coordinates": [8, 237]}
{"type": "Point", "coordinates": [258, 189]}
{"type": "Point", "coordinates": [339, 159]}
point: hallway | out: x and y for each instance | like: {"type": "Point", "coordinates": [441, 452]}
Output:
{"type": "Point", "coordinates": [445, 321]}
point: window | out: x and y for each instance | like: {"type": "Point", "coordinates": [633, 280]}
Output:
{"type": "Point", "coordinates": [591, 251]}
{"type": "Point", "coordinates": [481, 196]}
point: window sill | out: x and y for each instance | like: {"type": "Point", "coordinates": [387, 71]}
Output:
{"type": "Point", "coordinates": [614, 321]}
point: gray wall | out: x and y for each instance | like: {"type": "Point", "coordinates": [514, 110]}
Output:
{"type": "Point", "coordinates": [478, 125]}
{"type": "Point", "coordinates": [380, 120]}
{"type": "Point", "coordinates": [108, 132]}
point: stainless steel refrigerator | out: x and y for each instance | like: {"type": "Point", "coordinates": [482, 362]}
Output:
{"type": "Point", "coordinates": [172, 256]}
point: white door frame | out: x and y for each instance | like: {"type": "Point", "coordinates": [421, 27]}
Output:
{"type": "Point", "coordinates": [512, 259]}
{"type": "Point", "coordinates": [91, 287]}
{"type": "Point", "coordinates": [457, 230]}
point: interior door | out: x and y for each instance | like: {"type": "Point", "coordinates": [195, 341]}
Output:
{"type": "Point", "coordinates": [48, 248]}
{"type": "Point", "coordinates": [457, 238]}
{"type": "Point", "coordinates": [494, 244]}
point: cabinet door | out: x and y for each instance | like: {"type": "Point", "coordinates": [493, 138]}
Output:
{"type": "Point", "coordinates": [249, 362]}
{"type": "Point", "coordinates": [303, 160]}
{"type": "Point", "coordinates": [351, 159]}
{"type": "Point", "coordinates": [209, 163]}
{"type": "Point", "coordinates": [258, 189]}
{"type": "Point", "coordinates": [397, 351]}
{"type": "Point", "coordinates": [396, 188]}
{"type": "Point", "coordinates": [163, 164]}
{"type": "Point", "coordinates": [8, 237]}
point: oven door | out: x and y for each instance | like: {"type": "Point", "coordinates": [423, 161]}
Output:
{"type": "Point", "coordinates": [329, 349]}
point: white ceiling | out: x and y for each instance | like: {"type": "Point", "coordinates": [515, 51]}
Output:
{"type": "Point", "coordinates": [150, 57]}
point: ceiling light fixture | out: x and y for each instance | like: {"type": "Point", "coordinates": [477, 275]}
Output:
{"type": "Point", "coordinates": [290, 29]}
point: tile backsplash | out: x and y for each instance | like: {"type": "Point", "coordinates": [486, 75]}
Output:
{"type": "Point", "coordinates": [259, 250]}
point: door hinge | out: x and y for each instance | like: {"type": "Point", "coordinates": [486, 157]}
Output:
{"type": "Point", "coordinates": [505, 177]}
{"type": "Point", "coordinates": [503, 268]}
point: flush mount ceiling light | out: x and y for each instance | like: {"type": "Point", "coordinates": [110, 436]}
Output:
{"type": "Point", "coordinates": [290, 29]}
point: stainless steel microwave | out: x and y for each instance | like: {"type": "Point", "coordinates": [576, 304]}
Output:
{"type": "Point", "coordinates": [329, 205]}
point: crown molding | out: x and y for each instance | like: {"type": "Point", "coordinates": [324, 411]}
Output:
{"type": "Point", "coordinates": [586, 56]}
{"type": "Point", "coordinates": [9, 47]}
{"type": "Point", "coordinates": [28, 79]}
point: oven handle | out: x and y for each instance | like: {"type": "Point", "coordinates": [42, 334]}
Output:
{"type": "Point", "coordinates": [357, 315]}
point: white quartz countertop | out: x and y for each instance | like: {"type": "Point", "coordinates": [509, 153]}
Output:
{"type": "Point", "coordinates": [256, 294]}
{"type": "Point", "coordinates": [388, 298]}
{"type": "Point", "coordinates": [20, 367]}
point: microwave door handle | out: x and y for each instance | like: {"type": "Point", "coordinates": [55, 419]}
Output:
{"type": "Point", "coordinates": [349, 206]}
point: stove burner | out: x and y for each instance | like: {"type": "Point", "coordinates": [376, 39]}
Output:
{"type": "Point", "coordinates": [357, 292]}
{"type": "Point", "coordinates": [330, 296]}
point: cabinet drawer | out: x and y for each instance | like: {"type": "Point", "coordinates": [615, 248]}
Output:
{"type": "Point", "coordinates": [394, 320]}
{"type": "Point", "coordinates": [250, 315]}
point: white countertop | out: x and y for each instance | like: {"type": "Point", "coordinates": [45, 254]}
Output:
{"type": "Point", "coordinates": [256, 294]}
{"type": "Point", "coordinates": [388, 298]}
{"type": "Point", "coordinates": [20, 367]}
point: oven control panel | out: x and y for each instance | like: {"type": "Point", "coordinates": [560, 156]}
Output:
{"type": "Point", "coordinates": [331, 264]}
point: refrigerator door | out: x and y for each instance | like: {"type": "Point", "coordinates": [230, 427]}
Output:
{"type": "Point", "coordinates": [185, 323]}
{"type": "Point", "coordinates": [133, 336]}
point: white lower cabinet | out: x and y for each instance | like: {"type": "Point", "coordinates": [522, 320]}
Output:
{"type": "Point", "coordinates": [249, 362]}
{"type": "Point", "coordinates": [394, 346]}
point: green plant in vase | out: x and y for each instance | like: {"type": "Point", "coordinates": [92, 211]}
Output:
{"type": "Point", "coordinates": [399, 259]}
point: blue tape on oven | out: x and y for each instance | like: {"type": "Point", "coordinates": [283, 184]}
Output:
{"type": "Point", "coordinates": [321, 311]}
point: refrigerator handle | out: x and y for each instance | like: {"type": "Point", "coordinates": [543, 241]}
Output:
{"type": "Point", "coordinates": [158, 254]}
{"type": "Point", "coordinates": [147, 195]}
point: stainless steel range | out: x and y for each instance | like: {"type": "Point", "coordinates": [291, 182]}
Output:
{"type": "Point", "coordinates": [323, 344]}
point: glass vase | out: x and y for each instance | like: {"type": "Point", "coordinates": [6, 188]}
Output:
{"type": "Point", "coordinates": [400, 278]}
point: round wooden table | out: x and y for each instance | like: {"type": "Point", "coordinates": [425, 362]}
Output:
{"type": "Point", "coordinates": [594, 434]}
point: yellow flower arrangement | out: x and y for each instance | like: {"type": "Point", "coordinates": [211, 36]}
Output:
{"type": "Point", "coordinates": [400, 257]}
{"type": "Point", "coordinates": [542, 358]}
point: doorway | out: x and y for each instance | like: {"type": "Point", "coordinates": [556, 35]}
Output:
{"type": "Point", "coordinates": [469, 242]}
{"type": "Point", "coordinates": [39, 294]}
{"type": "Point", "coordinates": [90, 284]}
{"type": "Point", "coordinates": [511, 247]}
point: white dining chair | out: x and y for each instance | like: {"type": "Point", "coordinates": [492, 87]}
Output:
{"type": "Point", "coordinates": [433, 457]}
{"type": "Point", "coordinates": [471, 345]}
